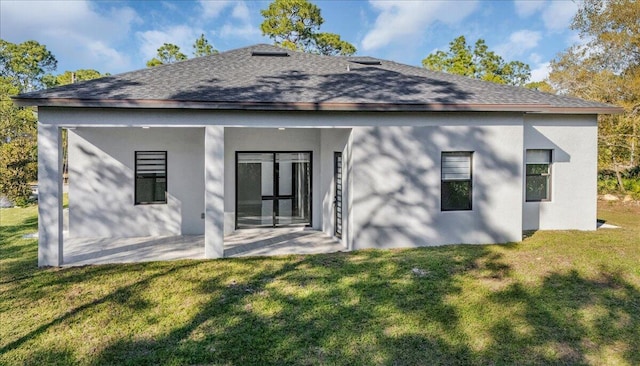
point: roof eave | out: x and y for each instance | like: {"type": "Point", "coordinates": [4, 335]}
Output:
{"type": "Point", "coordinates": [311, 106]}
{"type": "Point", "coordinates": [582, 110]}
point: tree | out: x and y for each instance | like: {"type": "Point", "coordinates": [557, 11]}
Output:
{"type": "Point", "coordinates": [542, 86]}
{"type": "Point", "coordinates": [15, 122]}
{"type": "Point", "coordinates": [606, 68]}
{"type": "Point", "coordinates": [168, 53]}
{"type": "Point", "coordinates": [25, 64]}
{"type": "Point", "coordinates": [477, 63]}
{"type": "Point", "coordinates": [331, 44]}
{"type": "Point", "coordinates": [70, 77]}
{"type": "Point", "coordinates": [291, 23]}
{"type": "Point", "coordinates": [201, 47]}
{"type": "Point", "coordinates": [18, 147]}
{"type": "Point", "coordinates": [295, 24]}
{"type": "Point", "coordinates": [22, 69]}
{"type": "Point", "coordinates": [18, 167]}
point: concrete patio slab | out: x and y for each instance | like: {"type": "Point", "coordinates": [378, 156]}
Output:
{"type": "Point", "coordinates": [81, 251]}
{"type": "Point", "coordinates": [247, 242]}
{"type": "Point", "coordinates": [281, 241]}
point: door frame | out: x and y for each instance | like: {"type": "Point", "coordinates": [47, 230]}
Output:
{"type": "Point", "coordinates": [274, 152]}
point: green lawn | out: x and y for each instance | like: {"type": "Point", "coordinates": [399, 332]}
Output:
{"type": "Point", "coordinates": [557, 298]}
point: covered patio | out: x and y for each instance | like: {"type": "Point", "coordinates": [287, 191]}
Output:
{"type": "Point", "coordinates": [248, 242]}
{"type": "Point", "coordinates": [211, 181]}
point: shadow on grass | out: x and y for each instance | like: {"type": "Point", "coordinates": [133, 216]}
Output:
{"type": "Point", "coordinates": [128, 294]}
{"type": "Point", "coordinates": [371, 308]}
{"type": "Point", "coordinates": [402, 307]}
{"type": "Point", "coordinates": [18, 255]}
{"type": "Point", "coordinates": [323, 309]}
{"type": "Point", "coordinates": [570, 317]}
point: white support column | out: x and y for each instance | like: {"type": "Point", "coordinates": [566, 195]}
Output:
{"type": "Point", "coordinates": [348, 195]}
{"type": "Point", "coordinates": [50, 239]}
{"type": "Point", "coordinates": [214, 192]}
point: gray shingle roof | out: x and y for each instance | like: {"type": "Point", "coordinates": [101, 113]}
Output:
{"type": "Point", "coordinates": [242, 79]}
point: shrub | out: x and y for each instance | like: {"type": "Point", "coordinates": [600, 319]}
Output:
{"type": "Point", "coordinates": [607, 185]}
{"type": "Point", "coordinates": [610, 186]}
{"type": "Point", "coordinates": [632, 187]}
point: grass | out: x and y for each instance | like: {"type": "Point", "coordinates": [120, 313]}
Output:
{"type": "Point", "coordinates": [561, 297]}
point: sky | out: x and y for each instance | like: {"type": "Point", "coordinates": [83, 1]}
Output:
{"type": "Point", "coordinates": [119, 36]}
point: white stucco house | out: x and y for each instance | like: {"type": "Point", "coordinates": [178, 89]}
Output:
{"type": "Point", "coordinates": [375, 153]}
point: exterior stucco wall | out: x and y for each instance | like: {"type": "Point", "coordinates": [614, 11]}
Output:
{"type": "Point", "coordinates": [214, 175]}
{"type": "Point", "coordinates": [392, 162]}
{"type": "Point", "coordinates": [396, 182]}
{"type": "Point", "coordinates": [50, 218]}
{"type": "Point", "coordinates": [573, 140]}
{"type": "Point", "coordinates": [269, 139]}
{"type": "Point", "coordinates": [101, 183]}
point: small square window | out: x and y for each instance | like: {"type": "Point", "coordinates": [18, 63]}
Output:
{"type": "Point", "coordinates": [151, 177]}
{"type": "Point", "coordinates": [456, 190]}
{"type": "Point", "coordinates": [538, 175]}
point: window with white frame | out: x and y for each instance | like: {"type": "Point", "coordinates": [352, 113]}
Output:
{"type": "Point", "coordinates": [151, 177]}
{"type": "Point", "coordinates": [538, 175]}
{"type": "Point", "coordinates": [456, 176]}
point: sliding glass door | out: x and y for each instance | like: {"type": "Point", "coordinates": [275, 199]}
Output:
{"type": "Point", "coordinates": [254, 190]}
{"type": "Point", "coordinates": [273, 189]}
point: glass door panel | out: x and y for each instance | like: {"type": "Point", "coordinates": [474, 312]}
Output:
{"type": "Point", "coordinates": [254, 187]}
{"type": "Point", "coordinates": [294, 188]}
{"type": "Point", "coordinates": [285, 212]}
{"type": "Point", "coordinates": [273, 189]}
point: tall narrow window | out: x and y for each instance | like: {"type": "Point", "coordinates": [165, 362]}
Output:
{"type": "Point", "coordinates": [538, 179]}
{"type": "Point", "coordinates": [456, 181]}
{"type": "Point", "coordinates": [151, 177]}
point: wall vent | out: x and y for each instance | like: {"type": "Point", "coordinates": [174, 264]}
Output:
{"type": "Point", "coordinates": [270, 53]}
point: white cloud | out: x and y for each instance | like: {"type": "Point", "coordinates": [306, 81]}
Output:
{"type": "Point", "coordinates": [180, 35]}
{"type": "Point", "coordinates": [559, 14]}
{"type": "Point", "coordinates": [535, 58]}
{"type": "Point", "coordinates": [246, 31]}
{"type": "Point", "coordinates": [72, 30]}
{"type": "Point", "coordinates": [399, 19]}
{"type": "Point", "coordinates": [525, 8]}
{"type": "Point", "coordinates": [235, 23]}
{"type": "Point", "coordinates": [540, 72]}
{"type": "Point", "coordinates": [239, 24]}
{"type": "Point", "coordinates": [213, 8]}
{"type": "Point", "coordinates": [519, 42]}
{"type": "Point", "coordinates": [114, 59]}
{"type": "Point", "coordinates": [169, 6]}
{"type": "Point", "coordinates": [574, 38]}
{"type": "Point", "coordinates": [241, 12]}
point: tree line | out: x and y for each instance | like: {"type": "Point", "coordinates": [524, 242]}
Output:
{"type": "Point", "coordinates": [291, 24]}
{"type": "Point", "coordinates": [169, 53]}
{"type": "Point", "coordinates": [25, 67]}
{"type": "Point", "coordinates": [604, 68]}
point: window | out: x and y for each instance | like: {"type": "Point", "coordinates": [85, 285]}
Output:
{"type": "Point", "coordinates": [538, 179]}
{"type": "Point", "coordinates": [456, 181]}
{"type": "Point", "coordinates": [151, 177]}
